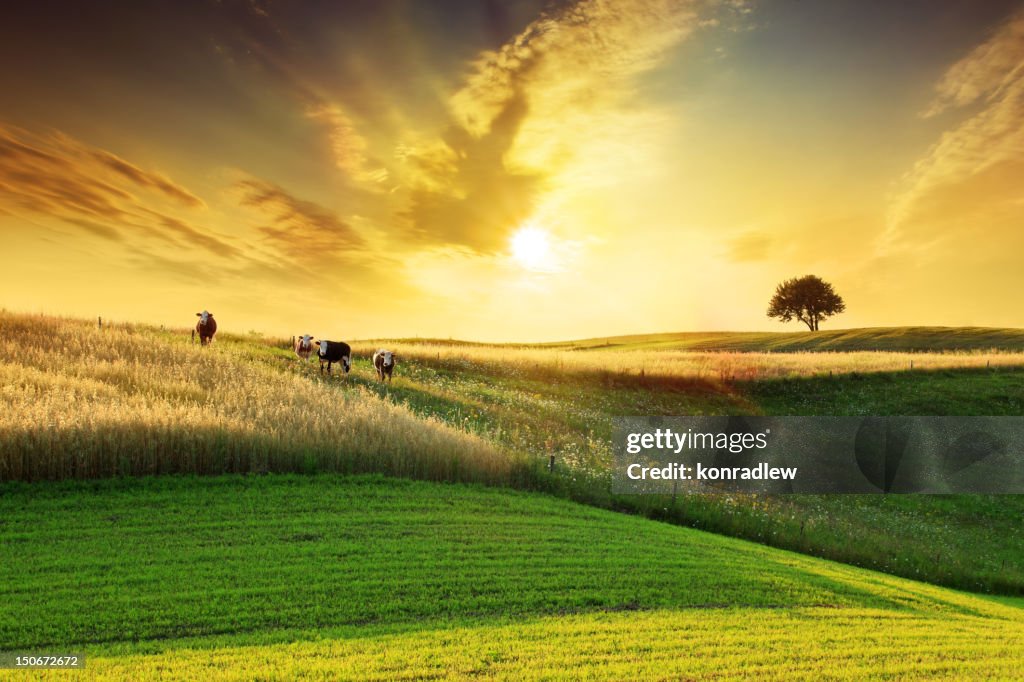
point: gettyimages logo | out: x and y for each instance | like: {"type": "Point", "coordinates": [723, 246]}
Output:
{"type": "Point", "coordinates": [667, 439]}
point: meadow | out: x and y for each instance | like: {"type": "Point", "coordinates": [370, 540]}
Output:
{"type": "Point", "coordinates": [669, 366]}
{"type": "Point", "coordinates": [967, 541]}
{"type": "Point", "coordinates": [367, 577]}
{"type": "Point", "coordinates": [81, 402]}
{"type": "Point", "coordinates": [230, 513]}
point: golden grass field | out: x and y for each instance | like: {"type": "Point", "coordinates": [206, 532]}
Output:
{"type": "Point", "coordinates": [83, 402]}
{"type": "Point", "coordinates": [810, 644]}
{"type": "Point", "coordinates": [80, 402]}
{"type": "Point", "coordinates": [692, 365]}
{"type": "Point", "coordinates": [687, 366]}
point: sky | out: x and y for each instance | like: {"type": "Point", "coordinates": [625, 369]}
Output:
{"type": "Point", "coordinates": [511, 171]}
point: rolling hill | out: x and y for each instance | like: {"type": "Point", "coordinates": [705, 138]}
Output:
{"type": "Point", "coordinates": [130, 400]}
{"type": "Point", "coordinates": [865, 339]}
{"type": "Point", "coordinates": [909, 339]}
{"type": "Point", "coordinates": [287, 577]}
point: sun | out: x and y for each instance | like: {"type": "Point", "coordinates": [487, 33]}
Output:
{"type": "Point", "coordinates": [531, 248]}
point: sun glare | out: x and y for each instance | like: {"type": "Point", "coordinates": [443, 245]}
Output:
{"type": "Point", "coordinates": [531, 247]}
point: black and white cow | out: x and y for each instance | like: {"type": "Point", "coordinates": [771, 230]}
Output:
{"type": "Point", "coordinates": [334, 351]}
{"type": "Point", "coordinates": [206, 327]}
{"type": "Point", "coordinates": [304, 347]}
{"type": "Point", "coordinates": [384, 363]}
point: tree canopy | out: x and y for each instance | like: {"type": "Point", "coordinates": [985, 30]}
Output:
{"type": "Point", "coordinates": [809, 299]}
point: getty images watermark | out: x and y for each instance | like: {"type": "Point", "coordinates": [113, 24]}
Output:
{"type": "Point", "coordinates": [671, 455]}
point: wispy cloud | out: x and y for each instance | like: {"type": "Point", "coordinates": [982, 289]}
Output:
{"type": "Point", "coordinates": [988, 143]}
{"type": "Point", "coordinates": [347, 145]}
{"type": "Point", "coordinates": [97, 191]}
{"type": "Point", "coordinates": [989, 70]}
{"type": "Point", "coordinates": [578, 58]}
{"type": "Point", "coordinates": [303, 231]}
{"type": "Point", "coordinates": [143, 178]}
{"type": "Point", "coordinates": [259, 36]}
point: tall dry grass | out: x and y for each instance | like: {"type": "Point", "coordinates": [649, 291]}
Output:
{"type": "Point", "coordinates": [79, 402]}
{"type": "Point", "coordinates": [686, 365]}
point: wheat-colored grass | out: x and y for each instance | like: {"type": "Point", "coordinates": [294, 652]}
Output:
{"type": "Point", "coordinates": [79, 402]}
{"type": "Point", "coordinates": [727, 644]}
{"type": "Point", "coordinates": [688, 365]}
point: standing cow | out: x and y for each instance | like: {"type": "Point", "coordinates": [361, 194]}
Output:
{"type": "Point", "coordinates": [334, 351]}
{"type": "Point", "coordinates": [206, 327]}
{"type": "Point", "coordinates": [304, 347]}
{"type": "Point", "coordinates": [384, 363]}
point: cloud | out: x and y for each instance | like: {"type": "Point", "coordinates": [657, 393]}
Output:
{"type": "Point", "coordinates": [98, 229]}
{"type": "Point", "coordinates": [348, 146]}
{"type": "Point", "coordinates": [577, 58]}
{"type": "Point", "coordinates": [146, 179]}
{"type": "Point", "coordinates": [261, 35]}
{"type": "Point", "coordinates": [95, 191]}
{"type": "Point", "coordinates": [544, 112]}
{"type": "Point", "coordinates": [985, 72]}
{"type": "Point", "coordinates": [529, 122]}
{"type": "Point", "coordinates": [473, 199]}
{"type": "Point", "coordinates": [194, 236]}
{"type": "Point", "coordinates": [303, 231]}
{"type": "Point", "coordinates": [988, 142]}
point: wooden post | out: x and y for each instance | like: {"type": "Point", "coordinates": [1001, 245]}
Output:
{"type": "Point", "coordinates": [551, 463]}
{"type": "Point", "coordinates": [99, 323]}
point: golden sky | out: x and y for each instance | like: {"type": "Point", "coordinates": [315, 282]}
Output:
{"type": "Point", "coordinates": [521, 170]}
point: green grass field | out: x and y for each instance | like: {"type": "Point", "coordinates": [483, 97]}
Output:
{"type": "Point", "coordinates": [289, 577]}
{"type": "Point", "coordinates": [572, 420]}
{"type": "Point", "coordinates": [305, 566]}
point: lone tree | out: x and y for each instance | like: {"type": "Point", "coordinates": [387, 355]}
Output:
{"type": "Point", "coordinates": [809, 299]}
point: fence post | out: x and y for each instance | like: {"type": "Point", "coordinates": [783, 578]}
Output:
{"type": "Point", "coordinates": [551, 464]}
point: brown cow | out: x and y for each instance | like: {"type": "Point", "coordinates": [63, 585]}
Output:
{"type": "Point", "coordinates": [384, 363]}
{"type": "Point", "coordinates": [304, 347]}
{"type": "Point", "coordinates": [206, 327]}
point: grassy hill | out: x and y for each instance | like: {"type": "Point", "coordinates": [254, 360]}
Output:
{"type": "Point", "coordinates": [285, 577]}
{"type": "Point", "coordinates": [80, 402]}
{"type": "Point", "coordinates": [866, 339]}
{"type": "Point", "coordinates": [127, 400]}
